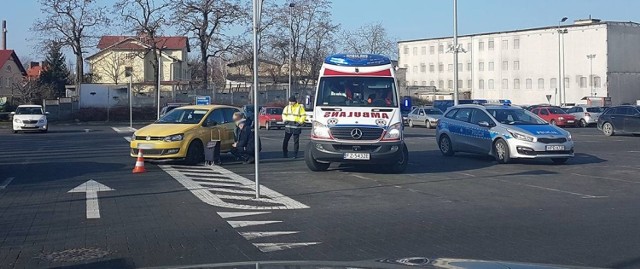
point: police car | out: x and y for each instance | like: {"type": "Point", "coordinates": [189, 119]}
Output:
{"type": "Point", "coordinates": [502, 131]}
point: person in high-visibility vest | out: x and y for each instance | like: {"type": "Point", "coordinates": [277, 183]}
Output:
{"type": "Point", "coordinates": [293, 116]}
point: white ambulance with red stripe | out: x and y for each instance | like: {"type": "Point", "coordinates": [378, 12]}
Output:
{"type": "Point", "coordinates": [356, 116]}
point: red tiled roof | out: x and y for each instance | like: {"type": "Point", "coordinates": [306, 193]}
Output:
{"type": "Point", "coordinates": [169, 42]}
{"type": "Point", "coordinates": [5, 55]}
{"type": "Point", "coordinates": [34, 71]}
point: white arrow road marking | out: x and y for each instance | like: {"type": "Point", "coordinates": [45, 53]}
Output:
{"type": "Point", "coordinates": [91, 188]}
{"type": "Point", "coordinates": [254, 235]}
{"type": "Point", "coordinates": [270, 247]}
{"type": "Point", "coordinates": [6, 182]}
{"type": "Point", "coordinates": [239, 224]}
{"type": "Point", "coordinates": [226, 215]}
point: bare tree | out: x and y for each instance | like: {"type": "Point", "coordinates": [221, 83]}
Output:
{"type": "Point", "coordinates": [31, 91]}
{"type": "Point", "coordinates": [72, 23]}
{"type": "Point", "coordinates": [207, 21]}
{"type": "Point", "coordinates": [112, 67]}
{"type": "Point", "coordinates": [370, 38]}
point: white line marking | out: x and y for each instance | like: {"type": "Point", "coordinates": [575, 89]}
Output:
{"type": "Point", "coordinates": [128, 138]}
{"type": "Point", "coordinates": [247, 223]}
{"type": "Point", "coordinates": [633, 151]}
{"type": "Point", "coordinates": [226, 215]}
{"type": "Point", "coordinates": [6, 182]}
{"type": "Point", "coordinates": [231, 191]}
{"type": "Point", "coordinates": [122, 130]}
{"type": "Point", "coordinates": [270, 247]}
{"type": "Point", "coordinates": [607, 178]}
{"type": "Point", "coordinates": [361, 177]}
{"type": "Point", "coordinates": [254, 235]}
{"type": "Point", "coordinates": [91, 188]}
{"type": "Point", "coordinates": [587, 196]}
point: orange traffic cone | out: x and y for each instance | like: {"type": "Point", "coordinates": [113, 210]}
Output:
{"type": "Point", "coordinates": [139, 168]}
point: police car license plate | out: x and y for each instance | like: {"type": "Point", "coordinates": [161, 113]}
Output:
{"type": "Point", "coordinates": [357, 156]}
{"type": "Point", "coordinates": [555, 148]}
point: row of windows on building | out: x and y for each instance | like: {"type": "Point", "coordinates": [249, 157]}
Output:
{"type": "Point", "coordinates": [515, 84]}
{"type": "Point", "coordinates": [481, 67]}
{"type": "Point", "coordinates": [481, 46]}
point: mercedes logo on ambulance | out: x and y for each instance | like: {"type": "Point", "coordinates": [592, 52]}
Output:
{"type": "Point", "coordinates": [356, 133]}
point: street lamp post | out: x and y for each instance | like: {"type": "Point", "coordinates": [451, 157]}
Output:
{"type": "Point", "coordinates": [257, 10]}
{"type": "Point", "coordinates": [455, 53]}
{"type": "Point", "coordinates": [560, 56]}
{"type": "Point", "coordinates": [128, 72]}
{"type": "Point", "coordinates": [591, 57]}
{"type": "Point", "coordinates": [159, 79]}
{"type": "Point", "coordinates": [291, 6]}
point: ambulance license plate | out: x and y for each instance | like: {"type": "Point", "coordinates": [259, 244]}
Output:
{"type": "Point", "coordinates": [357, 156]}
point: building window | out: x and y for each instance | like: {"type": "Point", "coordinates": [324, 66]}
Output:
{"type": "Point", "coordinates": [597, 81]}
{"type": "Point", "coordinates": [505, 83]}
{"type": "Point", "coordinates": [424, 83]}
{"type": "Point", "coordinates": [432, 83]}
{"type": "Point", "coordinates": [529, 83]}
{"type": "Point", "coordinates": [481, 66]}
{"type": "Point", "coordinates": [491, 45]}
{"type": "Point", "coordinates": [440, 48]}
{"type": "Point", "coordinates": [440, 67]}
{"type": "Point", "coordinates": [432, 50]}
{"type": "Point", "coordinates": [423, 68]}
{"type": "Point", "coordinates": [516, 43]}
{"type": "Point", "coordinates": [480, 46]}
{"type": "Point", "coordinates": [469, 83]}
{"type": "Point", "coordinates": [415, 50]}
{"type": "Point", "coordinates": [469, 66]}
{"type": "Point", "coordinates": [481, 84]}
{"type": "Point", "coordinates": [583, 82]}
{"type": "Point", "coordinates": [505, 44]}
{"type": "Point", "coordinates": [432, 68]}
{"type": "Point", "coordinates": [505, 65]}
{"type": "Point", "coordinates": [406, 49]}
{"type": "Point", "coordinates": [459, 84]}
{"type": "Point", "coordinates": [541, 84]}
{"type": "Point", "coordinates": [424, 50]}
{"type": "Point", "coordinates": [441, 84]}
{"type": "Point", "coordinates": [491, 66]}
{"type": "Point", "coordinates": [450, 67]}
{"type": "Point", "coordinates": [490, 84]}
{"type": "Point", "coordinates": [516, 84]}
{"type": "Point", "coordinates": [553, 83]}
{"type": "Point", "coordinates": [450, 84]}
{"type": "Point", "coordinates": [516, 65]}
{"type": "Point", "coordinates": [566, 82]}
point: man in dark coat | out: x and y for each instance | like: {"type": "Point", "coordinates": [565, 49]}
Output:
{"type": "Point", "coordinates": [244, 148]}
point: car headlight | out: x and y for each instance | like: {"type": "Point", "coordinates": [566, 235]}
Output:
{"type": "Point", "coordinates": [394, 132]}
{"type": "Point", "coordinates": [42, 120]}
{"type": "Point", "coordinates": [521, 136]}
{"type": "Point", "coordinates": [319, 130]}
{"type": "Point", "coordinates": [17, 121]}
{"type": "Point", "coordinates": [171, 138]}
{"type": "Point", "coordinates": [569, 138]}
{"type": "Point", "coordinates": [560, 118]}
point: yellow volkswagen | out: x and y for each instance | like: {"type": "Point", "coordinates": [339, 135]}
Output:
{"type": "Point", "coordinates": [183, 133]}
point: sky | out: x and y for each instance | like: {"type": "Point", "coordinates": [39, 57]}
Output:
{"type": "Point", "coordinates": [403, 19]}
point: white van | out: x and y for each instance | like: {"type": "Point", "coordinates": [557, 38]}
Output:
{"type": "Point", "coordinates": [356, 116]}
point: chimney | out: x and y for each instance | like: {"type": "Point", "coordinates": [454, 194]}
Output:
{"type": "Point", "coordinates": [4, 35]}
{"type": "Point", "coordinates": [33, 64]}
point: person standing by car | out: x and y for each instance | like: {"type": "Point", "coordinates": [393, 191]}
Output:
{"type": "Point", "coordinates": [293, 116]}
{"type": "Point", "coordinates": [244, 148]}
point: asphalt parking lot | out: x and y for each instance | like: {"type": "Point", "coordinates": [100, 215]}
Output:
{"type": "Point", "coordinates": [467, 206]}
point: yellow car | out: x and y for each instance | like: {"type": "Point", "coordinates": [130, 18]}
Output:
{"type": "Point", "coordinates": [184, 132]}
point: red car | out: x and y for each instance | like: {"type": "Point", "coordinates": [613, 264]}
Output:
{"type": "Point", "coordinates": [271, 117]}
{"type": "Point", "coordinates": [555, 115]}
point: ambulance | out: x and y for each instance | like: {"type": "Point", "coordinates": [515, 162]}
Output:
{"type": "Point", "coordinates": [356, 115]}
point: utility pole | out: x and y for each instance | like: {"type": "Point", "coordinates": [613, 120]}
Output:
{"type": "Point", "coordinates": [591, 57]}
{"type": "Point", "coordinates": [560, 68]}
{"type": "Point", "coordinates": [257, 10]}
{"type": "Point", "coordinates": [291, 6]}
{"type": "Point", "coordinates": [159, 79]}
{"type": "Point", "coordinates": [128, 72]}
{"type": "Point", "coordinates": [455, 53]}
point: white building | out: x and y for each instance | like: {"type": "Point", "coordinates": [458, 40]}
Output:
{"type": "Point", "coordinates": [523, 65]}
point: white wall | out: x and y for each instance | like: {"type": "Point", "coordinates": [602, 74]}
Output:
{"type": "Point", "coordinates": [624, 63]}
{"type": "Point", "coordinates": [103, 95]}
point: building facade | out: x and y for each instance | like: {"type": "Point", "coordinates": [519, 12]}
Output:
{"type": "Point", "coordinates": [11, 73]}
{"type": "Point", "coordinates": [524, 65]}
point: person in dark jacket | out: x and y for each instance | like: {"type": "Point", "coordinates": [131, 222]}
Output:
{"type": "Point", "coordinates": [244, 148]}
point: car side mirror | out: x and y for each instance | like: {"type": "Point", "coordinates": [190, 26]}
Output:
{"type": "Point", "coordinates": [484, 124]}
{"type": "Point", "coordinates": [47, 113]}
{"type": "Point", "coordinates": [12, 113]}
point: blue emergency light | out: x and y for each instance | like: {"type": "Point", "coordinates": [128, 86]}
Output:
{"type": "Point", "coordinates": [357, 60]}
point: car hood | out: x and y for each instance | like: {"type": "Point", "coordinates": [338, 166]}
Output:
{"type": "Point", "coordinates": [537, 130]}
{"type": "Point", "coordinates": [163, 129]}
{"type": "Point", "coordinates": [29, 117]}
{"type": "Point", "coordinates": [401, 263]}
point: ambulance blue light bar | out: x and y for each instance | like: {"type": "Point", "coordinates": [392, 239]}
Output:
{"type": "Point", "coordinates": [357, 60]}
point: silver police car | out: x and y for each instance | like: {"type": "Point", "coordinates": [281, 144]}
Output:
{"type": "Point", "coordinates": [502, 131]}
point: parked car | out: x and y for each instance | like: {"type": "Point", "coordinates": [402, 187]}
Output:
{"type": "Point", "coordinates": [30, 118]}
{"type": "Point", "coordinates": [555, 116]}
{"type": "Point", "coordinates": [426, 116]}
{"type": "Point", "coordinates": [620, 119]}
{"type": "Point", "coordinates": [271, 117]}
{"type": "Point", "coordinates": [504, 132]}
{"type": "Point", "coordinates": [183, 133]}
{"type": "Point", "coordinates": [586, 115]}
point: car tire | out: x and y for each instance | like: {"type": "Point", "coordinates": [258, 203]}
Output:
{"type": "Point", "coordinates": [553, 122]}
{"type": "Point", "coordinates": [195, 153]}
{"type": "Point", "coordinates": [501, 151]}
{"type": "Point", "coordinates": [312, 164]}
{"type": "Point", "coordinates": [444, 143]}
{"type": "Point", "coordinates": [559, 160]}
{"type": "Point", "coordinates": [401, 165]}
{"type": "Point", "coordinates": [411, 123]}
{"type": "Point", "coordinates": [266, 126]}
{"type": "Point", "coordinates": [607, 129]}
{"type": "Point", "coordinates": [583, 123]}
{"type": "Point", "coordinates": [427, 123]}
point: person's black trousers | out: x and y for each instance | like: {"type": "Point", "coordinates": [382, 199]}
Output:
{"type": "Point", "coordinates": [285, 143]}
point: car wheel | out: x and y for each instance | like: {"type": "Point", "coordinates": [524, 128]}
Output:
{"type": "Point", "coordinates": [312, 164]}
{"type": "Point", "coordinates": [501, 151]}
{"type": "Point", "coordinates": [411, 123]}
{"type": "Point", "coordinates": [553, 122]}
{"type": "Point", "coordinates": [401, 165]}
{"type": "Point", "coordinates": [195, 153]}
{"type": "Point", "coordinates": [559, 160]}
{"type": "Point", "coordinates": [428, 124]}
{"type": "Point", "coordinates": [445, 145]}
{"type": "Point", "coordinates": [607, 129]}
{"type": "Point", "coordinates": [583, 123]}
{"type": "Point", "coordinates": [266, 126]}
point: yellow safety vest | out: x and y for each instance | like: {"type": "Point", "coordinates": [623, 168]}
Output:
{"type": "Point", "coordinates": [294, 113]}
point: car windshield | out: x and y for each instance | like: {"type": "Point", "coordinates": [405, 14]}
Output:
{"type": "Point", "coordinates": [29, 111]}
{"type": "Point", "coordinates": [183, 116]}
{"type": "Point", "coordinates": [433, 111]}
{"type": "Point", "coordinates": [595, 109]}
{"type": "Point", "coordinates": [357, 92]}
{"type": "Point", "coordinates": [274, 111]}
{"type": "Point", "coordinates": [556, 110]}
{"type": "Point", "coordinates": [515, 117]}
